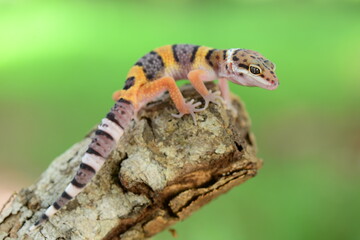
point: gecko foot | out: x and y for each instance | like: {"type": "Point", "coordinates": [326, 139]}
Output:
{"type": "Point", "coordinates": [190, 109]}
{"type": "Point", "coordinates": [212, 97]}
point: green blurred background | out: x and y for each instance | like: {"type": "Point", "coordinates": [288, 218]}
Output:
{"type": "Point", "coordinates": [60, 62]}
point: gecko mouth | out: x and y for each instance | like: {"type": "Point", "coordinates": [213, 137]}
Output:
{"type": "Point", "coordinates": [265, 84]}
{"type": "Point", "coordinates": [251, 80]}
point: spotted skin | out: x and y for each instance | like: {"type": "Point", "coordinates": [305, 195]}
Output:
{"type": "Point", "coordinates": [152, 75]}
{"type": "Point", "coordinates": [129, 83]}
{"type": "Point", "coordinates": [152, 65]}
{"type": "Point", "coordinates": [184, 54]}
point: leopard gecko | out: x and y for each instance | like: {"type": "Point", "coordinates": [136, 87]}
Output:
{"type": "Point", "coordinates": [151, 76]}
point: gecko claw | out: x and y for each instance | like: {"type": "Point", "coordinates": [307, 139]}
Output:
{"type": "Point", "coordinates": [212, 97]}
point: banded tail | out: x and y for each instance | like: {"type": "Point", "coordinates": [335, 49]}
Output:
{"type": "Point", "coordinates": [103, 143]}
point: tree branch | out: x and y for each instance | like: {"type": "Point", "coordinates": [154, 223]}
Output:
{"type": "Point", "coordinates": [163, 170]}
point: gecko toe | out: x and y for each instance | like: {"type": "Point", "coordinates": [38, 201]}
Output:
{"type": "Point", "coordinates": [190, 108]}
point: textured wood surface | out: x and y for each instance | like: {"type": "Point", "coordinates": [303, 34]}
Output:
{"type": "Point", "coordinates": [162, 170]}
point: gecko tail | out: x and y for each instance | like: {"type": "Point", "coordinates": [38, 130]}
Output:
{"type": "Point", "coordinates": [103, 143]}
{"type": "Point", "coordinates": [37, 224]}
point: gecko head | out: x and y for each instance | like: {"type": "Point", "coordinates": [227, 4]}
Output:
{"type": "Point", "coordinates": [250, 68]}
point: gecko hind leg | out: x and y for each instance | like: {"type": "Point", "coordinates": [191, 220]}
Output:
{"type": "Point", "coordinates": [225, 92]}
{"type": "Point", "coordinates": [118, 94]}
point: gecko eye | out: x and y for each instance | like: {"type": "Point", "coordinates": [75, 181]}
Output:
{"type": "Point", "coordinates": [254, 69]}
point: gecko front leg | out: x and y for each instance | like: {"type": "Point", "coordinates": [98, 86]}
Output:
{"type": "Point", "coordinates": [197, 79]}
{"type": "Point", "coordinates": [150, 90]}
{"type": "Point", "coordinates": [225, 92]}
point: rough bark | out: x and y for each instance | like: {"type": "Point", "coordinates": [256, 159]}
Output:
{"type": "Point", "coordinates": [162, 170]}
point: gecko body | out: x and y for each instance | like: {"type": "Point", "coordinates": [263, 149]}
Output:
{"type": "Point", "coordinates": [151, 76]}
